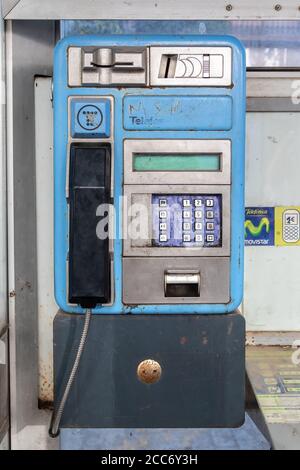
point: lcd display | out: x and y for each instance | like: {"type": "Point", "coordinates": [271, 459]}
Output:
{"type": "Point", "coordinates": [176, 162]}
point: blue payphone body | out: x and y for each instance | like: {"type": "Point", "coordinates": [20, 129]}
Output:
{"type": "Point", "coordinates": [151, 125]}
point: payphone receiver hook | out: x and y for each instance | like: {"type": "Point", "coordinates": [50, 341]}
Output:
{"type": "Point", "coordinates": [57, 414]}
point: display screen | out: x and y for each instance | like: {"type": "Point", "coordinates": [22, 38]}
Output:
{"type": "Point", "coordinates": [176, 162]}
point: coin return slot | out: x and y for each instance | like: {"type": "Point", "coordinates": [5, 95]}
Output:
{"type": "Point", "coordinates": [182, 284]}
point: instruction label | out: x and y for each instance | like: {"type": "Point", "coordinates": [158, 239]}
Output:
{"type": "Point", "coordinates": [287, 225]}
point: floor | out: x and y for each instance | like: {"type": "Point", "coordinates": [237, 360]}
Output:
{"type": "Point", "coordinates": [247, 437]}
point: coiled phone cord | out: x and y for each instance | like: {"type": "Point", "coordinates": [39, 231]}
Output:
{"type": "Point", "coordinates": [57, 414]}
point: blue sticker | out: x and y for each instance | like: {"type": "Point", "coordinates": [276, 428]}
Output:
{"type": "Point", "coordinates": [259, 226]}
{"type": "Point", "coordinates": [90, 118]}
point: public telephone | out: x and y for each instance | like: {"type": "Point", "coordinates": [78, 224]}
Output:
{"type": "Point", "coordinates": [149, 137]}
{"type": "Point", "coordinates": [149, 219]}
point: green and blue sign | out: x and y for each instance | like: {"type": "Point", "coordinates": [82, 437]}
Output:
{"type": "Point", "coordinates": [259, 226]}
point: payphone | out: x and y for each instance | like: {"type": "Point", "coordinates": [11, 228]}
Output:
{"type": "Point", "coordinates": [149, 132]}
{"type": "Point", "coordinates": [149, 181]}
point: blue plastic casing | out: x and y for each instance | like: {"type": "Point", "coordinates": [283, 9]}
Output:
{"type": "Point", "coordinates": [224, 111]}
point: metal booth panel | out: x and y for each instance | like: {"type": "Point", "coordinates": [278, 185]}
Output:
{"type": "Point", "coordinates": [151, 9]}
{"type": "Point", "coordinates": [29, 47]}
{"type": "Point", "coordinates": [3, 189]}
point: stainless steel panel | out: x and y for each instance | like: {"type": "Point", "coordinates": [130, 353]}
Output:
{"type": "Point", "coordinates": [190, 66]}
{"type": "Point", "coordinates": [144, 280]}
{"type": "Point", "coordinates": [143, 246]}
{"type": "Point", "coordinates": [222, 147]}
{"type": "Point", "coordinates": [152, 10]}
{"type": "Point", "coordinates": [107, 66]}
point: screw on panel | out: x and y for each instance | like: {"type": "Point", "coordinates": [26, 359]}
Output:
{"type": "Point", "coordinates": [229, 7]}
{"type": "Point", "coordinates": [278, 7]}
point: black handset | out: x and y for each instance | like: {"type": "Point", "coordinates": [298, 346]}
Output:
{"type": "Point", "coordinates": [89, 257]}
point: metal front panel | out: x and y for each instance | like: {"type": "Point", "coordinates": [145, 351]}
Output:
{"type": "Point", "coordinates": [144, 280]}
{"type": "Point", "coordinates": [165, 146]}
{"type": "Point", "coordinates": [143, 246]}
{"type": "Point", "coordinates": [202, 361]}
{"type": "Point", "coordinates": [190, 66]}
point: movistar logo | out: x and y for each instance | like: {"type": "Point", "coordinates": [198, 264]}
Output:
{"type": "Point", "coordinates": [254, 230]}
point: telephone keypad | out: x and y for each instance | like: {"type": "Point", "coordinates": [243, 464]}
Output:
{"type": "Point", "coordinates": [187, 220]}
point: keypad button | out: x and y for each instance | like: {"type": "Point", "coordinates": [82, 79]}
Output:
{"type": "Point", "coordinates": [186, 226]}
{"type": "Point", "coordinates": [198, 237]}
{"type": "Point", "coordinates": [163, 226]}
{"type": "Point", "coordinates": [198, 202]}
{"type": "Point", "coordinates": [210, 214]}
{"type": "Point", "coordinates": [210, 226]}
{"type": "Point", "coordinates": [209, 202]}
{"type": "Point", "coordinates": [198, 214]}
{"type": "Point", "coordinates": [198, 226]}
{"type": "Point", "coordinates": [186, 214]}
{"type": "Point", "coordinates": [162, 214]}
{"type": "Point", "coordinates": [186, 203]}
{"type": "Point", "coordinates": [162, 203]}
{"type": "Point", "coordinates": [210, 238]}
{"type": "Point", "coordinates": [163, 237]}
{"type": "Point", "coordinates": [186, 237]}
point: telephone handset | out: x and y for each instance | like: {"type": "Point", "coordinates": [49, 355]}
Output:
{"type": "Point", "coordinates": [89, 258]}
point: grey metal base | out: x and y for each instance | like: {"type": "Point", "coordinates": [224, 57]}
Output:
{"type": "Point", "coordinates": [247, 437]}
{"type": "Point", "coordinates": [201, 359]}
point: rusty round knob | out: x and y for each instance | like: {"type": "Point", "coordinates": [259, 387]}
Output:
{"type": "Point", "coordinates": [149, 371]}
